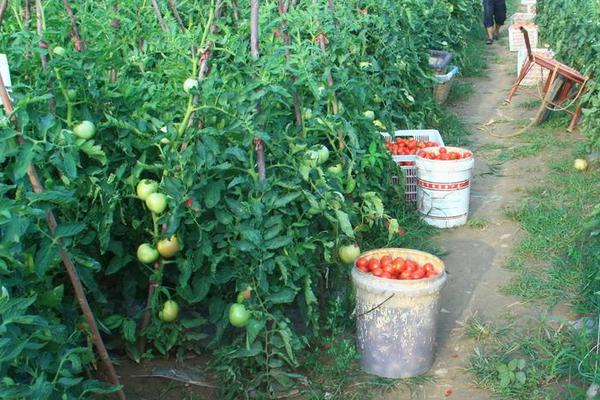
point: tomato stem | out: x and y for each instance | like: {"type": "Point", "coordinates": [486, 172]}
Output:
{"type": "Point", "coordinates": [66, 96]}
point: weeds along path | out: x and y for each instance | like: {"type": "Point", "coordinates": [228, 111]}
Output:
{"type": "Point", "coordinates": [476, 254]}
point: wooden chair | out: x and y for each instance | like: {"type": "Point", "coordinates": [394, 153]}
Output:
{"type": "Point", "coordinates": [567, 75]}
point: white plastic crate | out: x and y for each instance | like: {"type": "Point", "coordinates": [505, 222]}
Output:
{"type": "Point", "coordinates": [410, 171]}
{"type": "Point", "coordinates": [5, 72]}
{"type": "Point", "coordinates": [516, 40]}
{"type": "Point", "coordinates": [536, 74]}
{"type": "Point", "coordinates": [528, 2]}
{"type": "Point", "coordinates": [521, 18]}
{"type": "Point", "coordinates": [532, 9]}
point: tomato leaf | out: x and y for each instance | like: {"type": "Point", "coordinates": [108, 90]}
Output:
{"type": "Point", "coordinates": [253, 329]}
{"type": "Point", "coordinates": [344, 222]}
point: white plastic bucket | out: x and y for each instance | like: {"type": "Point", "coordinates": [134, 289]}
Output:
{"type": "Point", "coordinates": [396, 320]}
{"type": "Point", "coordinates": [443, 189]}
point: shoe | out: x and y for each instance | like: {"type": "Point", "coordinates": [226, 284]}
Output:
{"type": "Point", "coordinates": [496, 36]}
{"type": "Point", "coordinates": [489, 41]}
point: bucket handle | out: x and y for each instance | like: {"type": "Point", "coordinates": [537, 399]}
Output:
{"type": "Point", "coordinates": [376, 307]}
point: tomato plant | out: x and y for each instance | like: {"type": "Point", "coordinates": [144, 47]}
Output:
{"type": "Point", "coordinates": [224, 229]}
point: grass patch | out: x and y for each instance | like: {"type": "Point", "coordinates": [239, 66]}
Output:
{"type": "Point", "coordinates": [478, 223]}
{"type": "Point", "coordinates": [460, 91]}
{"type": "Point", "coordinates": [541, 359]}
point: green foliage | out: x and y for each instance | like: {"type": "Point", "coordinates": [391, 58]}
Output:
{"type": "Point", "coordinates": [572, 45]}
{"type": "Point", "coordinates": [279, 236]}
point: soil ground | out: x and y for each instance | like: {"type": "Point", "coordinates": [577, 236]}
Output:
{"type": "Point", "coordinates": [476, 253]}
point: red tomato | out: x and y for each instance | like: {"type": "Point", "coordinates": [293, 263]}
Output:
{"type": "Point", "coordinates": [389, 269]}
{"type": "Point", "coordinates": [385, 261]}
{"type": "Point", "coordinates": [443, 150]}
{"type": "Point", "coordinates": [410, 266]}
{"type": "Point", "coordinates": [419, 273]}
{"type": "Point", "coordinates": [398, 264]}
{"type": "Point", "coordinates": [404, 275]}
{"type": "Point", "coordinates": [377, 271]}
{"type": "Point", "coordinates": [444, 156]}
{"type": "Point", "coordinates": [467, 154]}
{"type": "Point", "coordinates": [363, 269]}
{"type": "Point", "coordinates": [387, 275]}
{"type": "Point", "coordinates": [454, 156]}
{"type": "Point", "coordinates": [428, 267]}
{"type": "Point", "coordinates": [373, 264]}
{"type": "Point", "coordinates": [362, 262]}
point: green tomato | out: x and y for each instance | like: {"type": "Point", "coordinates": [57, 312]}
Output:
{"type": "Point", "coordinates": [59, 51]}
{"type": "Point", "coordinates": [349, 253]}
{"type": "Point", "coordinates": [306, 114]}
{"type": "Point", "coordinates": [147, 254]}
{"type": "Point", "coordinates": [3, 122]}
{"type": "Point", "coordinates": [189, 84]}
{"type": "Point", "coordinates": [323, 153]}
{"type": "Point", "coordinates": [156, 202]}
{"type": "Point", "coordinates": [145, 188]}
{"type": "Point", "coordinates": [335, 169]}
{"type": "Point", "coordinates": [169, 311]}
{"type": "Point", "coordinates": [85, 130]}
{"type": "Point", "coordinates": [370, 115]}
{"type": "Point", "coordinates": [239, 315]}
{"type": "Point", "coordinates": [72, 94]}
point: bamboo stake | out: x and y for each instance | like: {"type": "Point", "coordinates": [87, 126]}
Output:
{"type": "Point", "coordinates": [116, 24]}
{"type": "Point", "coordinates": [3, 7]}
{"type": "Point", "coordinates": [283, 8]}
{"type": "Point", "coordinates": [173, 8]}
{"type": "Point", "coordinates": [159, 16]}
{"type": "Point", "coordinates": [259, 145]}
{"type": "Point", "coordinates": [79, 44]}
{"type": "Point", "coordinates": [26, 15]}
{"type": "Point", "coordinates": [40, 31]}
{"type": "Point", "coordinates": [66, 259]}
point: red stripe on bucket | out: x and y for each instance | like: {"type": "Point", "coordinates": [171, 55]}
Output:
{"type": "Point", "coordinates": [442, 218]}
{"type": "Point", "coordinates": [443, 186]}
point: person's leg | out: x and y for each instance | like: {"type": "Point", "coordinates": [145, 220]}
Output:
{"type": "Point", "coordinates": [499, 16]}
{"type": "Point", "coordinates": [488, 19]}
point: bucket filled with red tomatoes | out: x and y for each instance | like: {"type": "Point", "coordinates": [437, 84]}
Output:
{"type": "Point", "coordinates": [397, 307]}
{"type": "Point", "coordinates": [444, 185]}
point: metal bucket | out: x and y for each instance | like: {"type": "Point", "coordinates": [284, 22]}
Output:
{"type": "Point", "coordinates": [396, 319]}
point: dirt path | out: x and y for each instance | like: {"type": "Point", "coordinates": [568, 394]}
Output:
{"type": "Point", "coordinates": [476, 254]}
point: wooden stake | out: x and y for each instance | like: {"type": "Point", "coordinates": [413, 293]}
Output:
{"type": "Point", "coordinates": [66, 259]}
{"type": "Point", "coordinates": [255, 53]}
{"type": "Point", "coordinates": [3, 7]}
{"type": "Point", "coordinates": [39, 19]}
{"type": "Point", "coordinates": [79, 44]}
{"type": "Point", "coordinates": [173, 8]}
{"type": "Point", "coordinates": [159, 16]}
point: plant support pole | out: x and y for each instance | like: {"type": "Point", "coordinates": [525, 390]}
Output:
{"type": "Point", "coordinates": [66, 259]}
{"type": "Point", "coordinates": [259, 145]}
{"type": "Point", "coordinates": [79, 44]}
{"type": "Point", "coordinates": [159, 16]}
{"type": "Point", "coordinates": [3, 7]}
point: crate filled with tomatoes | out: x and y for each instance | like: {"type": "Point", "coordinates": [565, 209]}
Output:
{"type": "Point", "coordinates": [403, 146]}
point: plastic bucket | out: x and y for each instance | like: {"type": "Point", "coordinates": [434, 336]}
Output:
{"type": "Point", "coordinates": [396, 320]}
{"type": "Point", "coordinates": [443, 189]}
